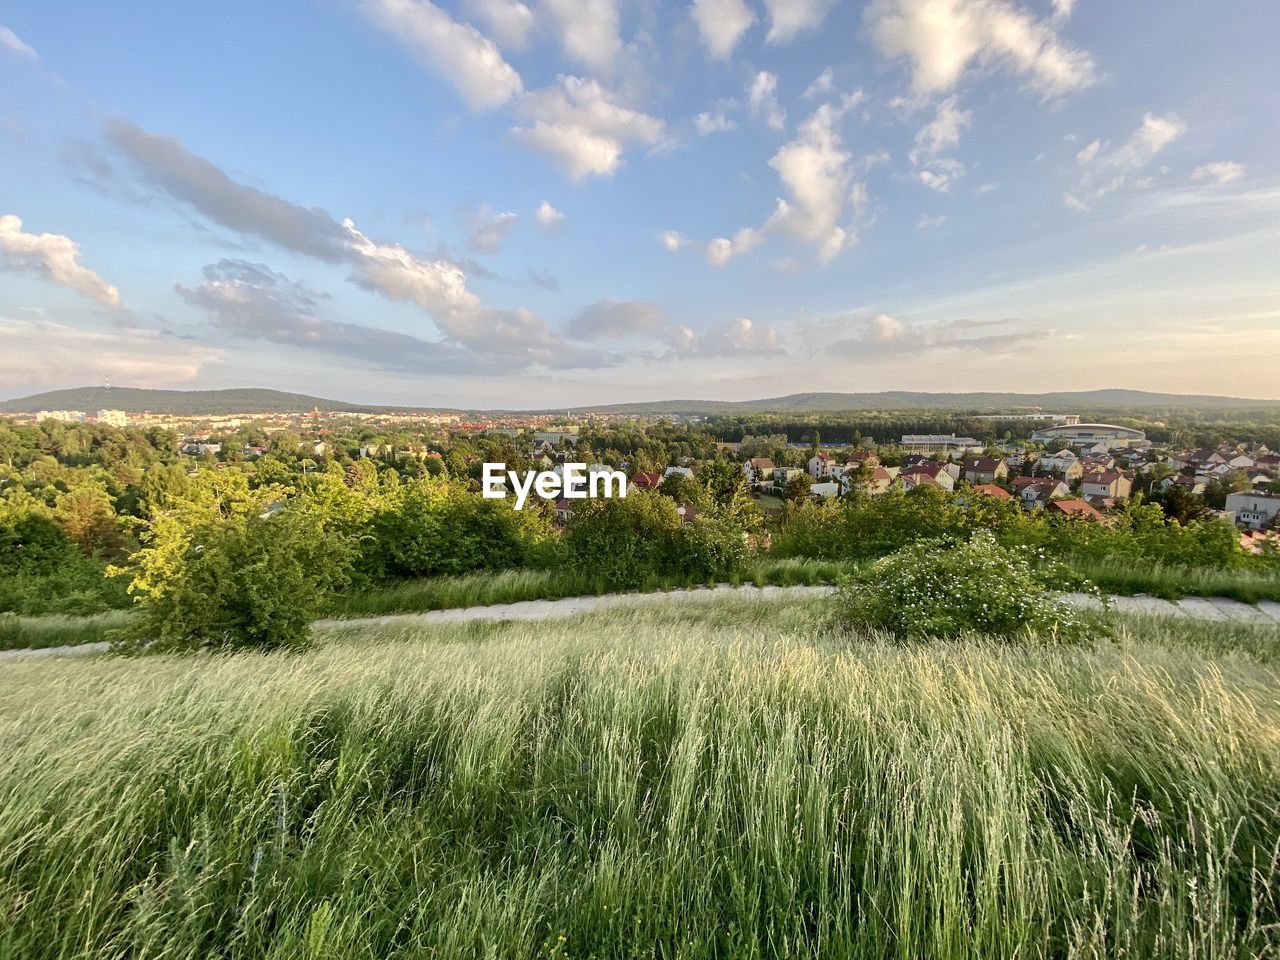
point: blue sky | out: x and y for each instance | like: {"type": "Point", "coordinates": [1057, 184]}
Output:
{"type": "Point", "coordinates": [484, 202]}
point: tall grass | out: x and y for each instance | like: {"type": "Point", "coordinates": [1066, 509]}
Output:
{"type": "Point", "coordinates": [716, 780]}
{"type": "Point", "coordinates": [57, 630]}
{"type": "Point", "coordinates": [511, 586]}
{"type": "Point", "coordinates": [1172, 582]}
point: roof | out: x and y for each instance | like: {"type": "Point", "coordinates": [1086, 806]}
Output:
{"type": "Point", "coordinates": [764, 463]}
{"type": "Point", "coordinates": [1104, 476]}
{"type": "Point", "coordinates": [991, 490]}
{"type": "Point", "coordinates": [1074, 508]}
{"type": "Point", "coordinates": [984, 464]}
{"type": "Point", "coordinates": [646, 480]}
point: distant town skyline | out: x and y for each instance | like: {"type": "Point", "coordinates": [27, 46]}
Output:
{"type": "Point", "coordinates": [484, 203]}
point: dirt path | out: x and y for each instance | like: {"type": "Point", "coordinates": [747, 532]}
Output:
{"type": "Point", "coordinates": [1202, 608]}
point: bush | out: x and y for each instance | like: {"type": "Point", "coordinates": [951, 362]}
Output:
{"type": "Point", "coordinates": [241, 581]}
{"type": "Point", "coordinates": [941, 588]}
{"type": "Point", "coordinates": [627, 541]}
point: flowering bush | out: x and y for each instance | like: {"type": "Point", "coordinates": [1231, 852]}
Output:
{"type": "Point", "coordinates": [942, 588]}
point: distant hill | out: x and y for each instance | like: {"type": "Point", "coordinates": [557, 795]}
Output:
{"type": "Point", "coordinates": [190, 402]}
{"type": "Point", "coordinates": [204, 402]}
{"type": "Point", "coordinates": [1061, 402]}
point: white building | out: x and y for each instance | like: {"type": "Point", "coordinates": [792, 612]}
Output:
{"type": "Point", "coordinates": [939, 443]}
{"type": "Point", "coordinates": [1253, 510]}
{"type": "Point", "coordinates": [1089, 434]}
{"type": "Point", "coordinates": [62, 416]}
{"type": "Point", "coordinates": [113, 418]}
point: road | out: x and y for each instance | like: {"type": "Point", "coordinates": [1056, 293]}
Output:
{"type": "Point", "coordinates": [1220, 609]}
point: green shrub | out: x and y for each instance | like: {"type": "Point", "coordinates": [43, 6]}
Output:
{"type": "Point", "coordinates": [941, 588]}
{"type": "Point", "coordinates": [627, 541]}
{"type": "Point", "coordinates": [246, 580]}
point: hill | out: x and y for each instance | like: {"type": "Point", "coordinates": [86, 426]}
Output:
{"type": "Point", "coordinates": [202, 402]}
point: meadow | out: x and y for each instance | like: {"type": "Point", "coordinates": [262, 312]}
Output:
{"type": "Point", "coordinates": [727, 779]}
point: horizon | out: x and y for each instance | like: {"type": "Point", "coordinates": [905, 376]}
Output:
{"type": "Point", "coordinates": [483, 204]}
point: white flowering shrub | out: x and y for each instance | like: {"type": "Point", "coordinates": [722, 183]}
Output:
{"type": "Point", "coordinates": [941, 588]}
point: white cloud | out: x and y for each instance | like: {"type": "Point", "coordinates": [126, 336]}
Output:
{"type": "Point", "coordinates": [942, 132]}
{"type": "Point", "coordinates": [1219, 172]}
{"type": "Point", "coordinates": [817, 175]}
{"type": "Point", "coordinates": [673, 240]}
{"type": "Point", "coordinates": [54, 257]}
{"type": "Point", "coordinates": [824, 84]}
{"type": "Point", "coordinates": [462, 54]}
{"type": "Point", "coordinates": [941, 175]}
{"type": "Point", "coordinates": [1106, 171]}
{"type": "Point", "coordinates": [881, 337]}
{"type": "Point", "coordinates": [15, 44]}
{"type": "Point", "coordinates": [942, 39]}
{"type": "Point", "coordinates": [548, 217]}
{"type": "Point", "coordinates": [762, 98]}
{"type": "Point", "coordinates": [722, 249]}
{"type": "Point", "coordinates": [789, 18]}
{"type": "Point", "coordinates": [39, 354]}
{"type": "Point", "coordinates": [588, 31]}
{"type": "Point", "coordinates": [734, 338]}
{"type": "Point", "coordinates": [927, 223]}
{"type": "Point", "coordinates": [707, 123]}
{"type": "Point", "coordinates": [510, 22]}
{"type": "Point", "coordinates": [721, 24]}
{"type": "Point", "coordinates": [490, 230]}
{"type": "Point", "coordinates": [1062, 9]}
{"type": "Point", "coordinates": [582, 129]}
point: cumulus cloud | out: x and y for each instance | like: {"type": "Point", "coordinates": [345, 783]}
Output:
{"type": "Point", "coordinates": [790, 18]}
{"type": "Point", "coordinates": [588, 31]}
{"type": "Point", "coordinates": [506, 339]}
{"type": "Point", "coordinates": [510, 22]}
{"type": "Point", "coordinates": [489, 230]}
{"type": "Point", "coordinates": [617, 319]}
{"type": "Point", "coordinates": [13, 43]}
{"type": "Point", "coordinates": [548, 217]}
{"type": "Point", "coordinates": [1104, 171]}
{"type": "Point", "coordinates": [721, 24]}
{"type": "Point", "coordinates": [462, 54]}
{"type": "Point", "coordinates": [762, 99]}
{"type": "Point", "coordinates": [730, 339]}
{"type": "Point", "coordinates": [251, 301]}
{"type": "Point", "coordinates": [52, 256]}
{"type": "Point", "coordinates": [673, 240]}
{"type": "Point", "coordinates": [823, 84]}
{"type": "Point", "coordinates": [582, 128]}
{"type": "Point", "coordinates": [41, 353]}
{"type": "Point", "coordinates": [709, 122]}
{"type": "Point", "coordinates": [938, 135]}
{"type": "Point", "coordinates": [941, 40]}
{"type": "Point", "coordinates": [817, 175]}
{"type": "Point", "coordinates": [881, 336]}
{"type": "Point", "coordinates": [1218, 172]}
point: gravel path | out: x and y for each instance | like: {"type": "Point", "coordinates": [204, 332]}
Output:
{"type": "Point", "coordinates": [1202, 608]}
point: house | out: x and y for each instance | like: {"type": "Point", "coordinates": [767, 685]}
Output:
{"type": "Point", "coordinates": [758, 471]}
{"type": "Point", "coordinates": [991, 490]}
{"type": "Point", "coordinates": [783, 475]}
{"type": "Point", "coordinates": [819, 464]}
{"type": "Point", "coordinates": [1073, 508]}
{"type": "Point", "coordinates": [1094, 462]}
{"type": "Point", "coordinates": [564, 510]}
{"type": "Point", "coordinates": [1106, 485]}
{"type": "Point", "coordinates": [1038, 491]}
{"type": "Point", "coordinates": [980, 470]}
{"type": "Point", "coordinates": [943, 475]}
{"type": "Point", "coordinates": [1063, 462]}
{"type": "Point", "coordinates": [911, 481]}
{"type": "Point", "coordinates": [1253, 510]}
{"type": "Point", "coordinates": [1189, 484]}
{"type": "Point", "coordinates": [875, 484]}
{"type": "Point", "coordinates": [683, 471]}
{"type": "Point", "coordinates": [645, 480]}
{"type": "Point", "coordinates": [826, 489]}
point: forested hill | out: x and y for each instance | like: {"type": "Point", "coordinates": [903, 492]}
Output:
{"type": "Point", "coordinates": [190, 402]}
{"type": "Point", "coordinates": [199, 402]}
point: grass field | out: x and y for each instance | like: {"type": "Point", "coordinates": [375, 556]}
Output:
{"type": "Point", "coordinates": [728, 779]}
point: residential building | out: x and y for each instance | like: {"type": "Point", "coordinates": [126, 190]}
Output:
{"type": "Point", "coordinates": [645, 480]}
{"type": "Point", "coordinates": [991, 490]}
{"type": "Point", "coordinates": [62, 416]}
{"type": "Point", "coordinates": [1038, 491]}
{"type": "Point", "coordinates": [1073, 508]}
{"type": "Point", "coordinates": [113, 418]}
{"type": "Point", "coordinates": [819, 464]}
{"type": "Point", "coordinates": [1063, 462]}
{"type": "Point", "coordinates": [1252, 509]}
{"type": "Point", "coordinates": [979, 470]}
{"type": "Point", "coordinates": [1106, 485]}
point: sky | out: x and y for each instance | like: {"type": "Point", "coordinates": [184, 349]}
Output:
{"type": "Point", "coordinates": [561, 202]}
